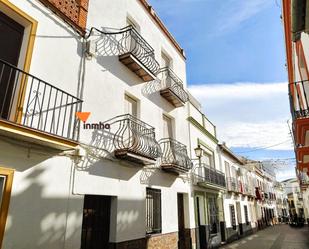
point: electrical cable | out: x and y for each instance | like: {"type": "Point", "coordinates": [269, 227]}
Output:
{"type": "Point", "coordinates": [262, 148]}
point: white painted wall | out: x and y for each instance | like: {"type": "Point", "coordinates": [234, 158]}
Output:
{"type": "Point", "coordinates": [46, 210]}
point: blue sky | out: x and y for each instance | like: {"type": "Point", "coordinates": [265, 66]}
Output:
{"type": "Point", "coordinates": [227, 41]}
{"type": "Point", "coordinates": [236, 69]}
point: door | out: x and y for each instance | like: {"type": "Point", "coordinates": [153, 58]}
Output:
{"type": "Point", "coordinates": [132, 130]}
{"type": "Point", "coordinates": [181, 223]}
{"type": "Point", "coordinates": [167, 127]}
{"type": "Point", "coordinates": [11, 35]}
{"type": "Point", "coordinates": [201, 217]}
{"type": "Point", "coordinates": [238, 211]}
{"type": "Point", "coordinates": [96, 222]}
{"type": "Point", "coordinates": [6, 180]}
{"type": "Point", "coordinates": [165, 63]}
{"type": "Point", "coordinates": [130, 106]}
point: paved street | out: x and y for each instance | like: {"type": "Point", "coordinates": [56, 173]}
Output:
{"type": "Point", "coordinates": [278, 237]}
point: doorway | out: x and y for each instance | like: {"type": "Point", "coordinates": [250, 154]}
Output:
{"type": "Point", "coordinates": [181, 222]}
{"type": "Point", "coordinates": [6, 180]}
{"type": "Point", "coordinates": [238, 211]}
{"type": "Point", "coordinates": [10, 42]}
{"type": "Point", "coordinates": [96, 222]}
{"type": "Point", "coordinates": [201, 222]}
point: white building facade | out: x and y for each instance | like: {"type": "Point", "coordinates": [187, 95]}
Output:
{"type": "Point", "coordinates": [239, 210]}
{"type": "Point", "coordinates": [124, 171]}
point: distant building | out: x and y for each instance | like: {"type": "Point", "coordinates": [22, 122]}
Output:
{"type": "Point", "coordinates": [294, 195]}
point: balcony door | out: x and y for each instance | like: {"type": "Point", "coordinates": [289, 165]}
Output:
{"type": "Point", "coordinates": [132, 131]}
{"type": "Point", "coordinates": [167, 127]}
{"type": "Point", "coordinates": [130, 106]}
{"type": "Point", "coordinates": [165, 63]}
{"type": "Point", "coordinates": [11, 36]}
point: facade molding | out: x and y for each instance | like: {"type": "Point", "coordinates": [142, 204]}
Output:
{"type": "Point", "coordinates": [194, 122]}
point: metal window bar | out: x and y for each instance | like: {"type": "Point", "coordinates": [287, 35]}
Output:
{"type": "Point", "coordinates": [134, 135]}
{"type": "Point", "coordinates": [213, 215]}
{"type": "Point", "coordinates": [233, 216]}
{"type": "Point", "coordinates": [203, 173]}
{"type": "Point", "coordinates": [153, 211]}
{"type": "Point", "coordinates": [34, 103]}
{"type": "Point", "coordinates": [298, 92]}
{"type": "Point", "coordinates": [171, 81]}
{"type": "Point", "coordinates": [127, 40]}
{"type": "Point", "coordinates": [174, 153]}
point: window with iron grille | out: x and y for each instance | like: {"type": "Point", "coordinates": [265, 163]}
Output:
{"type": "Point", "coordinates": [153, 210]}
{"type": "Point", "coordinates": [233, 217]}
{"type": "Point", "coordinates": [246, 214]}
{"type": "Point", "coordinates": [213, 214]}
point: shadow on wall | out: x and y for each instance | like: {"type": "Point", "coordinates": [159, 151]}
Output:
{"type": "Point", "coordinates": [156, 177]}
{"type": "Point", "coordinates": [108, 50]}
{"type": "Point", "coordinates": [36, 221]}
{"type": "Point", "coordinates": [151, 90]}
{"type": "Point", "coordinates": [100, 149]}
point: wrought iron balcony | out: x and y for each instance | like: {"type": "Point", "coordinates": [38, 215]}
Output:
{"type": "Point", "coordinates": [132, 49]}
{"type": "Point", "coordinates": [174, 156]}
{"type": "Point", "coordinates": [248, 189]}
{"type": "Point", "coordinates": [31, 102]}
{"type": "Point", "coordinates": [134, 140]}
{"type": "Point", "coordinates": [204, 175]}
{"type": "Point", "coordinates": [172, 87]}
{"type": "Point", "coordinates": [232, 185]}
{"type": "Point", "coordinates": [299, 93]}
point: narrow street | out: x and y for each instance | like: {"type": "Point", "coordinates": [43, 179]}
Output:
{"type": "Point", "coordinates": [278, 237]}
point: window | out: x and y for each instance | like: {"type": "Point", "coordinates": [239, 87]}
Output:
{"type": "Point", "coordinates": [208, 159]}
{"type": "Point", "coordinates": [246, 214]}
{"type": "Point", "coordinates": [167, 127]}
{"type": "Point", "coordinates": [213, 214]}
{"type": "Point", "coordinates": [233, 217]}
{"type": "Point", "coordinates": [153, 210]}
{"type": "Point", "coordinates": [130, 106]}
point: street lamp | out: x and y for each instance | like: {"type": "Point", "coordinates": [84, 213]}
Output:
{"type": "Point", "coordinates": [198, 153]}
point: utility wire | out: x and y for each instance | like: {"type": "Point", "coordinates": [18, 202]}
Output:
{"type": "Point", "coordinates": [262, 148]}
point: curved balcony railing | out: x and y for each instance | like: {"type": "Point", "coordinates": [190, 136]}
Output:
{"type": "Point", "coordinates": [128, 41]}
{"type": "Point", "coordinates": [171, 82]}
{"type": "Point", "coordinates": [133, 138]}
{"type": "Point", "coordinates": [232, 184]}
{"type": "Point", "coordinates": [204, 174]}
{"type": "Point", "coordinates": [174, 156]}
{"type": "Point", "coordinates": [36, 104]}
